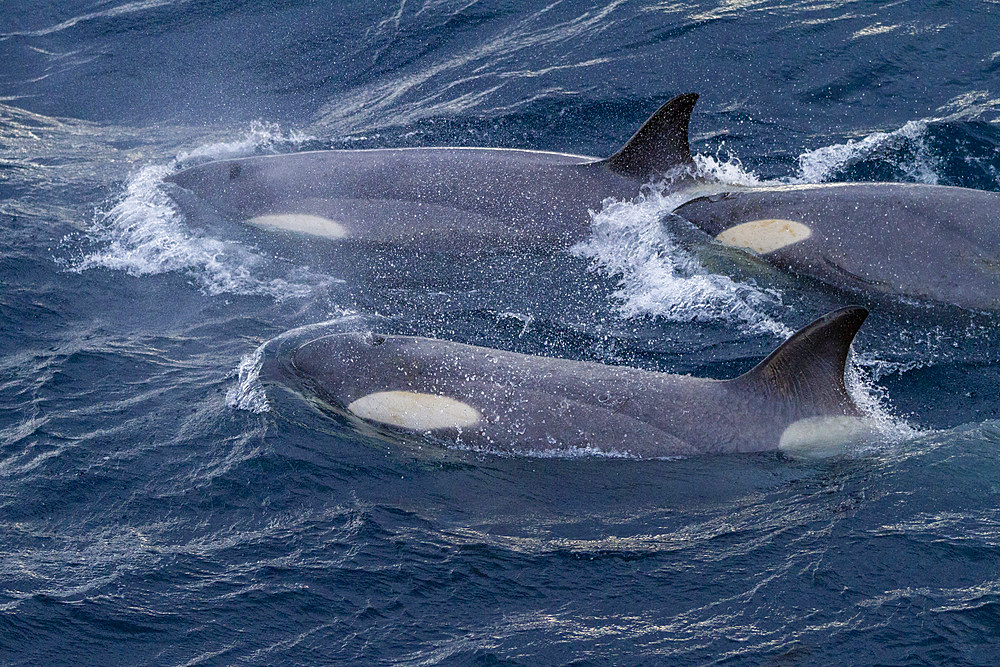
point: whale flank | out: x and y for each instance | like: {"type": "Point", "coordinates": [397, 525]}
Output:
{"type": "Point", "coordinates": [794, 400]}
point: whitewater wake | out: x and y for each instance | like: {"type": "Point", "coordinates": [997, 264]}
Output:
{"type": "Point", "coordinates": [144, 233]}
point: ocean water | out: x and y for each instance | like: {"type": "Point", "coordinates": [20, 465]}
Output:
{"type": "Point", "coordinates": [160, 505]}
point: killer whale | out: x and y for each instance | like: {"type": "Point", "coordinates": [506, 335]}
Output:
{"type": "Point", "coordinates": [502, 401]}
{"type": "Point", "coordinates": [448, 199]}
{"type": "Point", "coordinates": [930, 243]}
{"type": "Point", "coordinates": [934, 244]}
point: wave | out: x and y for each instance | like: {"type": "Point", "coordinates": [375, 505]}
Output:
{"type": "Point", "coordinates": [474, 78]}
{"type": "Point", "coordinates": [111, 12]}
{"type": "Point", "coordinates": [259, 137]}
{"type": "Point", "coordinates": [247, 393]}
{"type": "Point", "coordinates": [905, 149]}
{"type": "Point", "coordinates": [956, 148]}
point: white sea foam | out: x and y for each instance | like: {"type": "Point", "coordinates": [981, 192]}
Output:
{"type": "Point", "coordinates": [469, 80]}
{"type": "Point", "coordinates": [248, 393]}
{"type": "Point", "coordinates": [553, 452]}
{"type": "Point", "coordinates": [144, 233]}
{"type": "Point", "coordinates": [260, 137]}
{"type": "Point", "coordinates": [906, 145]}
{"type": "Point", "coordinates": [656, 275]}
{"type": "Point", "coordinates": [110, 12]}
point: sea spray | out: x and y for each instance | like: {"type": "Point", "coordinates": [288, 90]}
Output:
{"type": "Point", "coordinates": [905, 150]}
{"type": "Point", "coordinates": [656, 276]}
{"type": "Point", "coordinates": [144, 233]}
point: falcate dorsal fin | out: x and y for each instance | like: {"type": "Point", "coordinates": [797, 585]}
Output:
{"type": "Point", "coordinates": [809, 367]}
{"type": "Point", "coordinates": [660, 144]}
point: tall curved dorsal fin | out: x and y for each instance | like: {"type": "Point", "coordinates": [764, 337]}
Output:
{"type": "Point", "coordinates": [660, 144]}
{"type": "Point", "coordinates": [808, 368]}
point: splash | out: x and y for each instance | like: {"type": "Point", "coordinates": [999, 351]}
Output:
{"type": "Point", "coordinates": [144, 233]}
{"type": "Point", "coordinates": [260, 137]}
{"type": "Point", "coordinates": [656, 275]}
{"type": "Point", "coordinates": [905, 149]}
{"type": "Point", "coordinates": [860, 378]}
{"type": "Point", "coordinates": [248, 393]}
{"type": "Point", "coordinates": [727, 172]}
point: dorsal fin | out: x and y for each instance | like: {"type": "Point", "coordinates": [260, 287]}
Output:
{"type": "Point", "coordinates": [809, 367]}
{"type": "Point", "coordinates": [660, 144]}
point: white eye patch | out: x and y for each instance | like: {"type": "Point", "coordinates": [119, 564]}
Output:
{"type": "Point", "coordinates": [302, 223]}
{"type": "Point", "coordinates": [764, 236]}
{"type": "Point", "coordinates": [415, 411]}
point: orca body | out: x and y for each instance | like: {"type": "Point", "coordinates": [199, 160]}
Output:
{"type": "Point", "coordinates": [491, 400]}
{"type": "Point", "coordinates": [929, 243]}
{"type": "Point", "coordinates": [450, 199]}
{"type": "Point", "coordinates": [454, 200]}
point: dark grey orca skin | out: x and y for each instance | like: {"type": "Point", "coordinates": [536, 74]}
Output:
{"type": "Point", "coordinates": [491, 400]}
{"type": "Point", "coordinates": [928, 243]}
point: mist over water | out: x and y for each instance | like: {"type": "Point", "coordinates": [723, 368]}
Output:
{"type": "Point", "coordinates": [163, 503]}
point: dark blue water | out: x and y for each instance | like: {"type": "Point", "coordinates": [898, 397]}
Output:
{"type": "Point", "coordinates": [158, 505]}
